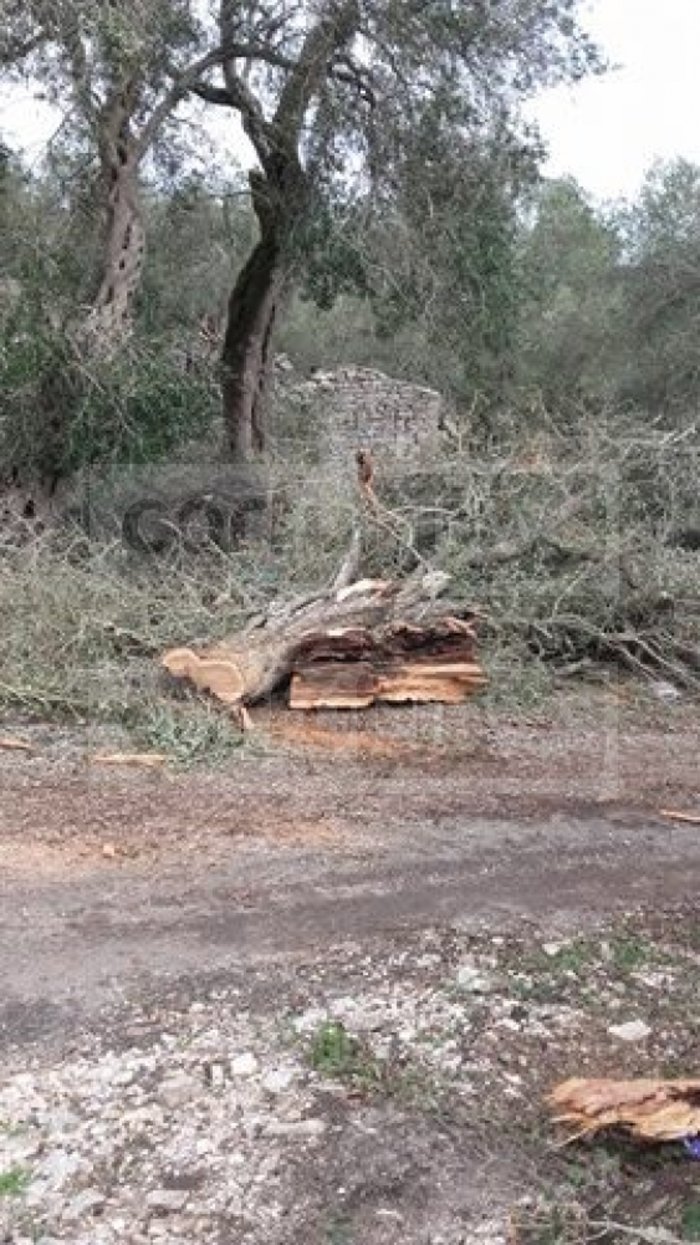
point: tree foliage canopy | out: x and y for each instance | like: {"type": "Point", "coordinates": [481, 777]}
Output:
{"type": "Point", "coordinates": [391, 170]}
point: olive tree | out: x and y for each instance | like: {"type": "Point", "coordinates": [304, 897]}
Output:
{"type": "Point", "coordinates": [331, 94]}
{"type": "Point", "coordinates": [117, 70]}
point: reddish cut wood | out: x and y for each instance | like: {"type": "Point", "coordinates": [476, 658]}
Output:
{"type": "Point", "coordinates": [346, 648]}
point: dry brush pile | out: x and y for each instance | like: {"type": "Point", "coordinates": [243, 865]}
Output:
{"type": "Point", "coordinates": [580, 548]}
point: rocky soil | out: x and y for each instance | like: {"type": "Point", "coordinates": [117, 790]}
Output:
{"type": "Point", "coordinates": [312, 1001]}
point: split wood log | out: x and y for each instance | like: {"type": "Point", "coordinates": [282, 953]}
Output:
{"type": "Point", "coordinates": [351, 668]}
{"type": "Point", "coordinates": [653, 1110]}
{"type": "Point", "coordinates": [346, 648]}
{"type": "Point", "coordinates": [142, 760]}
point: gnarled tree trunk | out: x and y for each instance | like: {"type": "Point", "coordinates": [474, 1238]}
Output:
{"type": "Point", "coordinates": [123, 245]}
{"type": "Point", "coordinates": [348, 647]}
{"type": "Point", "coordinates": [110, 317]}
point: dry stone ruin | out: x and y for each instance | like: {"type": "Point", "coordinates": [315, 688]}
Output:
{"type": "Point", "coordinates": [335, 413]}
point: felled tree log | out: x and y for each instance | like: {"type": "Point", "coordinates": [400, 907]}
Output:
{"type": "Point", "coordinates": [372, 640]}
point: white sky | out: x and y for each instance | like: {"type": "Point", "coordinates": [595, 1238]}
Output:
{"type": "Point", "coordinates": [606, 132]}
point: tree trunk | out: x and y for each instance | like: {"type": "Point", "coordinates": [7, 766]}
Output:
{"type": "Point", "coordinates": [246, 352]}
{"type": "Point", "coordinates": [110, 318]}
{"type": "Point", "coordinates": [280, 197]}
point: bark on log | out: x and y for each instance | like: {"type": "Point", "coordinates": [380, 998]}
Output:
{"type": "Point", "coordinates": [373, 640]}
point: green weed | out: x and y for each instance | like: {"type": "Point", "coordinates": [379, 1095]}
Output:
{"type": "Point", "coordinates": [13, 1181]}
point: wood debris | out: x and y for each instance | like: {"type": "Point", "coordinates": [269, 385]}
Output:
{"type": "Point", "coordinates": [145, 760]}
{"type": "Point", "coordinates": [371, 640]}
{"type": "Point", "coordinates": [652, 1110]}
{"type": "Point", "coordinates": [10, 744]}
{"type": "Point", "coordinates": [692, 819]}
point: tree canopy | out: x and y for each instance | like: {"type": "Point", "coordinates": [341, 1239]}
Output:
{"type": "Point", "coordinates": [388, 161]}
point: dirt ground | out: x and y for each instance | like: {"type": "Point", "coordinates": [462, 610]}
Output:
{"type": "Point", "coordinates": [388, 935]}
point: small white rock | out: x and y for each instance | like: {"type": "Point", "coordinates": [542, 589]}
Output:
{"type": "Point", "coordinates": [216, 1075]}
{"type": "Point", "coordinates": [279, 1079]}
{"type": "Point", "coordinates": [86, 1203]}
{"type": "Point", "coordinates": [296, 1128]}
{"type": "Point", "coordinates": [630, 1031]}
{"type": "Point", "coordinates": [166, 1201]}
{"type": "Point", "coordinates": [665, 691]}
{"type": "Point", "coordinates": [176, 1092]}
{"type": "Point", "coordinates": [244, 1065]}
{"type": "Point", "coordinates": [470, 978]}
{"type": "Point", "coordinates": [310, 1020]}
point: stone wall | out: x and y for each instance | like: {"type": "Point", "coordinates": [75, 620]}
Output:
{"type": "Point", "coordinates": [338, 412]}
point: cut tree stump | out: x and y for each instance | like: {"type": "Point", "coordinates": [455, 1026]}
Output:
{"type": "Point", "coordinates": [373, 640]}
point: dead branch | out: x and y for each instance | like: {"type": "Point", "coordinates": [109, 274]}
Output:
{"type": "Point", "coordinates": [644, 1236]}
{"type": "Point", "coordinates": [380, 514]}
{"type": "Point", "coordinates": [350, 565]}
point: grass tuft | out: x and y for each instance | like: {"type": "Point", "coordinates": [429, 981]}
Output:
{"type": "Point", "coordinates": [13, 1182]}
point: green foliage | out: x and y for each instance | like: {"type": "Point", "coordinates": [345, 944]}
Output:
{"type": "Point", "coordinates": [138, 408]}
{"type": "Point", "coordinates": [609, 307]}
{"type": "Point", "coordinates": [13, 1182]}
{"type": "Point", "coordinates": [570, 302]}
{"type": "Point", "coordinates": [197, 242]}
{"type": "Point", "coordinates": [84, 49]}
{"type": "Point", "coordinates": [193, 732]}
{"type": "Point", "coordinates": [61, 413]}
{"type": "Point", "coordinates": [443, 257]}
{"type": "Point", "coordinates": [662, 290]}
{"type": "Point", "coordinates": [429, 268]}
{"type": "Point", "coordinates": [336, 1053]}
{"type": "Point", "coordinates": [691, 1221]}
{"type": "Point", "coordinates": [333, 1050]}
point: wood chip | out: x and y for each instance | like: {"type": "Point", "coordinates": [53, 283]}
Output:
{"type": "Point", "coordinates": [693, 819]}
{"type": "Point", "coordinates": [146, 760]}
{"type": "Point", "coordinates": [10, 744]}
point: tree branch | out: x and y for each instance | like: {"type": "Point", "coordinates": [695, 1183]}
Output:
{"type": "Point", "coordinates": [331, 33]}
{"type": "Point", "coordinates": [16, 41]}
{"type": "Point", "coordinates": [345, 70]}
{"type": "Point", "coordinates": [213, 94]}
{"type": "Point", "coordinates": [80, 73]}
{"type": "Point", "coordinates": [12, 50]}
{"type": "Point", "coordinates": [643, 1236]}
{"type": "Point", "coordinates": [186, 82]}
